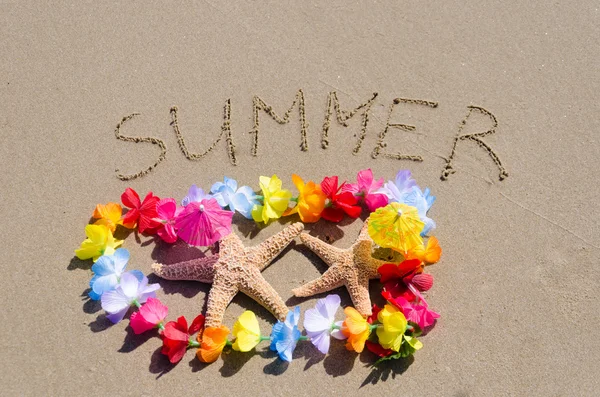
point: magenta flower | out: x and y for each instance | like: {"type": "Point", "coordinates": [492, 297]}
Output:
{"type": "Point", "coordinates": [167, 212]}
{"type": "Point", "coordinates": [417, 313]}
{"type": "Point", "coordinates": [151, 315]}
{"type": "Point", "coordinates": [366, 188]}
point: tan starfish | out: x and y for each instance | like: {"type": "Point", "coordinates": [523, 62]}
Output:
{"type": "Point", "coordinates": [235, 268]}
{"type": "Point", "coordinates": [352, 267]}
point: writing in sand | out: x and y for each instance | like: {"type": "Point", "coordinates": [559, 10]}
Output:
{"type": "Point", "coordinates": [341, 116]}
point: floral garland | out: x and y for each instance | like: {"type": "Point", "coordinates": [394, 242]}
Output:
{"type": "Point", "coordinates": [398, 221]}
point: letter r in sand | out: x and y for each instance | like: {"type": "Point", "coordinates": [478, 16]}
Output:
{"type": "Point", "coordinates": [477, 139]}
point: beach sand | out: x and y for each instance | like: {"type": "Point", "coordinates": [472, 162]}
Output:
{"type": "Point", "coordinates": [517, 284]}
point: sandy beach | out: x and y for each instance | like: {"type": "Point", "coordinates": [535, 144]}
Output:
{"type": "Point", "coordinates": [517, 283]}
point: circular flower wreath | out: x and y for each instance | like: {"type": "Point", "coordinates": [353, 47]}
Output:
{"type": "Point", "coordinates": [397, 221]}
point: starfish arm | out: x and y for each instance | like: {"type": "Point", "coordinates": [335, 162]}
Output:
{"type": "Point", "coordinates": [229, 245]}
{"type": "Point", "coordinates": [257, 288]}
{"type": "Point", "coordinates": [265, 252]}
{"type": "Point", "coordinates": [199, 269]}
{"type": "Point", "coordinates": [358, 288]}
{"type": "Point", "coordinates": [330, 254]}
{"type": "Point", "coordinates": [372, 266]}
{"type": "Point", "coordinates": [329, 280]}
{"type": "Point", "coordinates": [364, 232]}
{"type": "Point", "coordinates": [221, 293]}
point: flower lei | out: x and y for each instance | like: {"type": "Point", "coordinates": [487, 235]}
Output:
{"type": "Point", "coordinates": [390, 332]}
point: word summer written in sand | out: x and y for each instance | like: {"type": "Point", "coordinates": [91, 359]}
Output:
{"type": "Point", "coordinates": [341, 116]}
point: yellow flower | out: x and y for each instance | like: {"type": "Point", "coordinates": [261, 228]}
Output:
{"type": "Point", "coordinates": [275, 200]}
{"type": "Point", "coordinates": [100, 241]}
{"type": "Point", "coordinates": [108, 215]}
{"type": "Point", "coordinates": [392, 332]}
{"type": "Point", "coordinates": [212, 341]}
{"type": "Point", "coordinates": [356, 329]}
{"type": "Point", "coordinates": [311, 201]}
{"type": "Point", "coordinates": [246, 332]}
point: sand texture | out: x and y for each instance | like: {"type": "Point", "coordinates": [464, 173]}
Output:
{"type": "Point", "coordinates": [512, 86]}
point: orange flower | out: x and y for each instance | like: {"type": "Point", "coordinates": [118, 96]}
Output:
{"type": "Point", "coordinates": [212, 341]}
{"type": "Point", "coordinates": [108, 215]}
{"type": "Point", "coordinates": [311, 200]}
{"type": "Point", "coordinates": [429, 255]}
{"type": "Point", "coordinates": [356, 329]}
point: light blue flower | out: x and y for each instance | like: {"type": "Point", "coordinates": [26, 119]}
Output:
{"type": "Point", "coordinates": [228, 195]}
{"type": "Point", "coordinates": [285, 335]}
{"type": "Point", "coordinates": [422, 201]}
{"type": "Point", "coordinates": [107, 272]}
{"type": "Point", "coordinates": [429, 198]}
{"type": "Point", "coordinates": [195, 195]}
{"type": "Point", "coordinates": [130, 291]}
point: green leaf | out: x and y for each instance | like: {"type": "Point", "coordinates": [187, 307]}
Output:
{"type": "Point", "coordinates": [406, 349]}
{"type": "Point", "coordinates": [413, 342]}
{"type": "Point", "coordinates": [417, 330]}
{"type": "Point", "coordinates": [394, 356]}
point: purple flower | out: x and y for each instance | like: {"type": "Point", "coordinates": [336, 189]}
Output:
{"type": "Point", "coordinates": [130, 291]}
{"type": "Point", "coordinates": [195, 195]}
{"type": "Point", "coordinates": [397, 189]}
{"type": "Point", "coordinates": [285, 335]}
{"type": "Point", "coordinates": [320, 322]}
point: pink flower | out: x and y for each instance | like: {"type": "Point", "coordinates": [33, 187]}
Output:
{"type": "Point", "coordinates": [366, 188]}
{"type": "Point", "coordinates": [417, 313]}
{"type": "Point", "coordinates": [151, 315]}
{"type": "Point", "coordinates": [167, 211]}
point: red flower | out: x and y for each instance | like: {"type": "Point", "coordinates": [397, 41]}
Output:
{"type": "Point", "coordinates": [373, 317]}
{"type": "Point", "coordinates": [392, 294]}
{"type": "Point", "coordinates": [144, 213]}
{"type": "Point", "coordinates": [337, 202]}
{"type": "Point", "coordinates": [390, 271]}
{"type": "Point", "coordinates": [377, 349]}
{"type": "Point", "coordinates": [395, 278]}
{"type": "Point", "coordinates": [177, 337]}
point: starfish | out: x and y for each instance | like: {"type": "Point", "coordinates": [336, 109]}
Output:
{"type": "Point", "coordinates": [235, 268]}
{"type": "Point", "coordinates": [352, 267]}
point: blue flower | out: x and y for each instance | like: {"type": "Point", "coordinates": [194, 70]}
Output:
{"type": "Point", "coordinates": [228, 195]}
{"type": "Point", "coordinates": [285, 335]}
{"type": "Point", "coordinates": [422, 201]}
{"type": "Point", "coordinates": [108, 270]}
{"type": "Point", "coordinates": [429, 198]}
{"type": "Point", "coordinates": [195, 195]}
